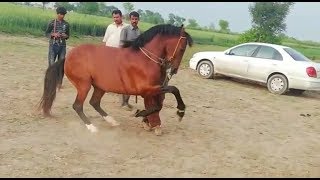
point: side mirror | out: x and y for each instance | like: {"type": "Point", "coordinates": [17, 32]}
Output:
{"type": "Point", "coordinates": [229, 53]}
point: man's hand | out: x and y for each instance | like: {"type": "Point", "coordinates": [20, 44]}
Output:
{"type": "Point", "coordinates": [56, 35]}
{"type": "Point", "coordinates": [64, 35]}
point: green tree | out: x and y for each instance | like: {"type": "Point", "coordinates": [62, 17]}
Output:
{"type": "Point", "coordinates": [151, 17]}
{"type": "Point", "coordinates": [44, 4]}
{"type": "Point", "coordinates": [268, 22]}
{"type": "Point", "coordinates": [179, 20]}
{"type": "Point", "coordinates": [128, 7]}
{"type": "Point", "coordinates": [224, 26]}
{"type": "Point", "coordinates": [175, 20]}
{"type": "Point", "coordinates": [171, 19]}
{"type": "Point", "coordinates": [192, 24]}
{"type": "Point", "coordinates": [105, 10]}
{"type": "Point", "coordinates": [88, 8]}
{"type": "Point", "coordinates": [68, 6]}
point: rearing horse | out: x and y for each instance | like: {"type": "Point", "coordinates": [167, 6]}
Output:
{"type": "Point", "coordinates": [138, 68]}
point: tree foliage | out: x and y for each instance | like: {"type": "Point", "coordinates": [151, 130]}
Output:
{"type": "Point", "coordinates": [175, 20]}
{"type": "Point", "coordinates": [128, 7]}
{"type": "Point", "coordinates": [67, 5]}
{"type": "Point", "coordinates": [268, 22]}
{"type": "Point", "coordinates": [192, 24]}
{"type": "Point", "coordinates": [88, 7]}
{"type": "Point", "coordinates": [224, 26]}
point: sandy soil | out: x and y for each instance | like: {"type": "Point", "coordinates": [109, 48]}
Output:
{"type": "Point", "coordinates": [231, 128]}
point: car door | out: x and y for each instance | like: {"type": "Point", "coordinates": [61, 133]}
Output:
{"type": "Point", "coordinates": [235, 62]}
{"type": "Point", "coordinates": [264, 61]}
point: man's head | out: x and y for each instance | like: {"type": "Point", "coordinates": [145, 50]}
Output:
{"type": "Point", "coordinates": [117, 16]}
{"type": "Point", "coordinates": [134, 18]}
{"type": "Point", "coordinates": [61, 12]}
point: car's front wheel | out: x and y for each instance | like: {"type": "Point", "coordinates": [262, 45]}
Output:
{"type": "Point", "coordinates": [205, 69]}
{"type": "Point", "coordinates": [277, 84]}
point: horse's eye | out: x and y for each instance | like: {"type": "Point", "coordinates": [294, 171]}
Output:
{"type": "Point", "coordinates": [182, 49]}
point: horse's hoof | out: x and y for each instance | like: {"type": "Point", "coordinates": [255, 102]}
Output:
{"type": "Point", "coordinates": [48, 115]}
{"type": "Point", "coordinates": [139, 113]}
{"type": "Point", "coordinates": [110, 120]}
{"type": "Point", "coordinates": [146, 126]}
{"type": "Point", "coordinates": [136, 114]}
{"type": "Point", "coordinates": [180, 113]}
{"type": "Point", "coordinates": [92, 128]}
{"type": "Point", "coordinates": [157, 130]}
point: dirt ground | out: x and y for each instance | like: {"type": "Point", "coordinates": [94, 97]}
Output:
{"type": "Point", "coordinates": [231, 128]}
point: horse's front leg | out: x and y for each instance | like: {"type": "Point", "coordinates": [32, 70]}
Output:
{"type": "Point", "coordinates": [165, 89]}
{"type": "Point", "coordinates": [147, 111]}
{"type": "Point", "coordinates": [175, 91]}
{"type": "Point", "coordinates": [152, 121]}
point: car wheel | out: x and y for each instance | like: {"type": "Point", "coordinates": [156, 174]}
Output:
{"type": "Point", "coordinates": [205, 69]}
{"type": "Point", "coordinates": [278, 84]}
{"type": "Point", "coordinates": [296, 91]}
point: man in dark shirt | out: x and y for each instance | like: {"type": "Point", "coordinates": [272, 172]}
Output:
{"type": "Point", "coordinates": [129, 33]}
{"type": "Point", "coordinates": [58, 32]}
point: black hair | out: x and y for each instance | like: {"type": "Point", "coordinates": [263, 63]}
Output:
{"type": "Point", "coordinates": [117, 11]}
{"type": "Point", "coordinates": [61, 10]}
{"type": "Point", "coordinates": [134, 14]}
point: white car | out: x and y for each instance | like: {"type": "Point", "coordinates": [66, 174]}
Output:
{"type": "Point", "coordinates": [281, 68]}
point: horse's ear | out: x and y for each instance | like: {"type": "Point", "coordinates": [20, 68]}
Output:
{"type": "Point", "coordinates": [182, 29]}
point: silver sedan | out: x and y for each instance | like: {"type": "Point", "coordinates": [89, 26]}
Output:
{"type": "Point", "coordinates": [281, 68]}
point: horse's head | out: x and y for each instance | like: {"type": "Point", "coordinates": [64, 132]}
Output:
{"type": "Point", "coordinates": [164, 43]}
{"type": "Point", "coordinates": [175, 48]}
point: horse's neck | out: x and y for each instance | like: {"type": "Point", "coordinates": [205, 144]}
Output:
{"type": "Point", "coordinates": [156, 46]}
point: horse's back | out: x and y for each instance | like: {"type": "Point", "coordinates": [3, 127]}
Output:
{"type": "Point", "coordinates": [97, 63]}
{"type": "Point", "coordinates": [76, 62]}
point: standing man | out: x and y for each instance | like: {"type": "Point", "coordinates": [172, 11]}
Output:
{"type": "Point", "coordinates": [58, 32]}
{"type": "Point", "coordinates": [129, 33]}
{"type": "Point", "coordinates": [112, 34]}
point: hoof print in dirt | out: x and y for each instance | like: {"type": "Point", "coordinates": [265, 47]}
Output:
{"type": "Point", "coordinates": [305, 115]}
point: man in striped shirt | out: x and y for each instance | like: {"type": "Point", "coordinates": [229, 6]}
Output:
{"type": "Point", "coordinates": [58, 32]}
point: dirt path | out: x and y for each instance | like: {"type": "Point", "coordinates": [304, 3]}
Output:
{"type": "Point", "coordinates": [231, 129]}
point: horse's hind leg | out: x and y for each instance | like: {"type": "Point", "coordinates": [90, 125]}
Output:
{"type": "Point", "coordinates": [95, 103]}
{"type": "Point", "coordinates": [83, 89]}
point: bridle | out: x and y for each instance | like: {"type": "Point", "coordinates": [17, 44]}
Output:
{"type": "Point", "coordinates": [159, 60]}
{"type": "Point", "coordinates": [162, 62]}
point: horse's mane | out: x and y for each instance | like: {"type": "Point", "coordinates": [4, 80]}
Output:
{"type": "Point", "coordinates": [147, 36]}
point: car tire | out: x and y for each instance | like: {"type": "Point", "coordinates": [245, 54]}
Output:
{"type": "Point", "coordinates": [205, 69]}
{"type": "Point", "coordinates": [296, 92]}
{"type": "Point", "coordinates": [278, 84]}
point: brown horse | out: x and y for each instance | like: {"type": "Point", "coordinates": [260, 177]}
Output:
{"type": "Point", "coordinates": [138, 68]}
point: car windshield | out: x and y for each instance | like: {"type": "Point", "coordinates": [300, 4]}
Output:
{"type": "Point", "coordinates": [296, 55]}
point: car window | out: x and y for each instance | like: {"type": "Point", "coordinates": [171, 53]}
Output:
{"type": "Point", "coordinates": [297, 56]}
{"type": "Point", "coordinates": [245, 50]}
{"type": "Point", "coordinates": [268, 53]}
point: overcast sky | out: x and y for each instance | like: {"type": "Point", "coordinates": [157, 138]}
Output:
{"type": "Point", "coordinates": [302, 22]}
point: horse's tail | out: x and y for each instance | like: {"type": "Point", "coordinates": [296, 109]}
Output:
{"type": "Point", "coordinates": [53, 77]}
